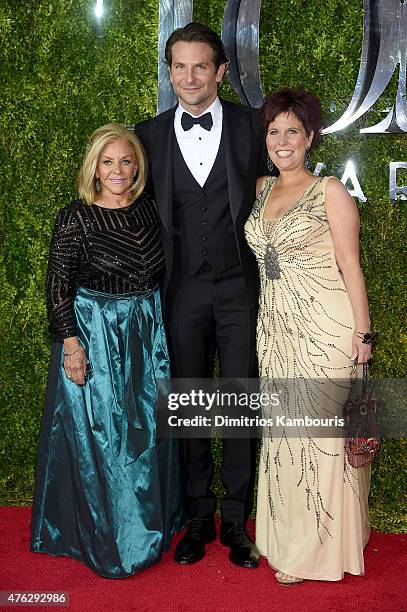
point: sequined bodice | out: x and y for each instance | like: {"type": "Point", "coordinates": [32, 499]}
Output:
{"type": "Point", "coordinates": [114, 251]}
{"type": "Point", "coordinates": [298, 242]}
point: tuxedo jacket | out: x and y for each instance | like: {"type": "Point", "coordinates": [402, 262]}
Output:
{"type": "Point", "coordinates": [244, 140]}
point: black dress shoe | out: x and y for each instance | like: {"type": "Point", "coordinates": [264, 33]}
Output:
{"type": "Point", "coordinates": [243, 551]}
{"type": "Point", "coordinates": [191, 548]}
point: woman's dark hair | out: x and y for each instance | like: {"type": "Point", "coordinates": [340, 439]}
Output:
{"type": "Point", "coordinates": [303, 104]}
{"type": "Point", "coordinates": [197, 32]}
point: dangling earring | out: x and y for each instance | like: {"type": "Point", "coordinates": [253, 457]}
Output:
{"type": "Point", "coordinates": [307, 159]}
{"type": "Point", "coordinates": [97, 185]}
{"type": "Point", "coordinates": [270, 164]}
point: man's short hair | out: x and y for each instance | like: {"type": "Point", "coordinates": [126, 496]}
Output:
{"type": "Point", "coordinates": [197, 32]}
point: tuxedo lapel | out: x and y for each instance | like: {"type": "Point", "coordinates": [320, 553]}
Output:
{"type": "Point", "coordinates": [161, 153]}
{"type": "Point", "coordinates": [236, 126]}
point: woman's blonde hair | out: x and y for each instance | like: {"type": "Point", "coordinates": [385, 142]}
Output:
{"type": "Point", "coordinates": [99, 139]}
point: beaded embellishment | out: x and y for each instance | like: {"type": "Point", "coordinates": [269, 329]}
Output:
{"type": "Point", "coordinates": [271, 265]}
{"type": "Point", "coordinates": [300, 336]}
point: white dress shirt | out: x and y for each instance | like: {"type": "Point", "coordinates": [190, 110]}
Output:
{"type": "Point", "coordinates": [199, 147]}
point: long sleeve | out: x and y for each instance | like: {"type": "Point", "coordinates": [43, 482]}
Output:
{"type": "Point", "coordinates": [63, 266]}
{"type": "Point", "coordinates": [110, 250]}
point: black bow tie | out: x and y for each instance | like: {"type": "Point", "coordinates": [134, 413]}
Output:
{"type": "Point", "coordinates": [205, 121]}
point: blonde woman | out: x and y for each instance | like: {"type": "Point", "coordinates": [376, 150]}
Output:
{"type": "Point", "coordinates": [107, 494]}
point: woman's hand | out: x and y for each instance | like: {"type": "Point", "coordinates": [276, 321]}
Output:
{"type": "Point", "coordinates": [75, 363]}
{"type": "Point", "coordinates": [360, 351]}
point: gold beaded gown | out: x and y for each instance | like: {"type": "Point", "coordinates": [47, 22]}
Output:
{"type": "Point", "coordinates": [312, 518]}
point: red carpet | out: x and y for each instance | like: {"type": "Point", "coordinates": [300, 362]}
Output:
{"type": "Point", "coordinates": [214, 584]}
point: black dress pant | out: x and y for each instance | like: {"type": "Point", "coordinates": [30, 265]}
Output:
{"type": "Point", "coordinates": [207, 312]}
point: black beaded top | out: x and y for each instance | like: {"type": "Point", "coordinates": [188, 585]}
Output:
{"type": "Point", "coordinates": [110, 250]}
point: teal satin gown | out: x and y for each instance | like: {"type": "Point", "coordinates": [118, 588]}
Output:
{"type": "Point", "coordinates": [107, 492]}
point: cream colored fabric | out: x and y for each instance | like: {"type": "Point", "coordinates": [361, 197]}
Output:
{"type": "Point", "coordinates": [312, 519]}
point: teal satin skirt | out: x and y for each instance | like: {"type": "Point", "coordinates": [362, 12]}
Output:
{"type": "Point", "coordinates": [108, 493]}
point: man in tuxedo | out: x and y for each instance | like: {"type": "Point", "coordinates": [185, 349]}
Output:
{"type": "Point", "coordinates": [205, 155]}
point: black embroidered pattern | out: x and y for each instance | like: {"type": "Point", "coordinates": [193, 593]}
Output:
{"type": "Point", "coordinates": [114, 251]}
